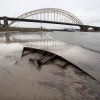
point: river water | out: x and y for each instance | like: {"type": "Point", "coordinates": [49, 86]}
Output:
{"type": "Point", "coordinates": [88, 40]}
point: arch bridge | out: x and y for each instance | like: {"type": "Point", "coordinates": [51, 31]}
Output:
{"type": "Point", "coordinates": [49, 15]}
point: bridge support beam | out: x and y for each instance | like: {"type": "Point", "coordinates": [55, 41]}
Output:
{"type": "Point", "coordinates": [5, 19]}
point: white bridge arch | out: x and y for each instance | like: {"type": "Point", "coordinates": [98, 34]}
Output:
{"type": "Point", "coordinates": [51, 14]}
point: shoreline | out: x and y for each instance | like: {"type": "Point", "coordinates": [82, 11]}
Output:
{"type": "Point", "coordinates": [22, 29]}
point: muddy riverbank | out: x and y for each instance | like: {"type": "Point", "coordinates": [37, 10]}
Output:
{"type": "Point", "coordinates": [20, 79]}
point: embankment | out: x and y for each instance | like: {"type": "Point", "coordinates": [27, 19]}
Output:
{"type": "Point", "coordinates": [22, 29]}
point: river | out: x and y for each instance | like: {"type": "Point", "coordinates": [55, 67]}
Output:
{"type": "Point", "coordinates": [88, 40]}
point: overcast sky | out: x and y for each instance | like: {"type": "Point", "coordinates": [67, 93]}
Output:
{"type": "Point", "coordinates": [88, 11]}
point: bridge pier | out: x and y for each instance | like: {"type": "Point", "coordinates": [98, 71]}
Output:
{"type": "Point", "coordinates": [5, 19]}
{"type": "Point", "coordinates": [96, 29]}
{"type": "Point", "coordinates": [0, 23]}
{"type": "Point", "coordinates": [84, 28]}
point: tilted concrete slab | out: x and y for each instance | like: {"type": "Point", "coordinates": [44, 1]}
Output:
{"type": "Point", "coordinates": [86, 60]}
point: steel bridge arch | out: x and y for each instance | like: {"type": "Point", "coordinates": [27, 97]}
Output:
{"type": "Point", "coordinates": [55, 13]}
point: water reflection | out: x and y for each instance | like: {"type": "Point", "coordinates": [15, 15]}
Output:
{"type": "Point", "coordinates": [40, 39]}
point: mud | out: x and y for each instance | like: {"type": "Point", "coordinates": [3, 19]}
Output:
{"type": "Point", "coordinates": [21, 79]}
